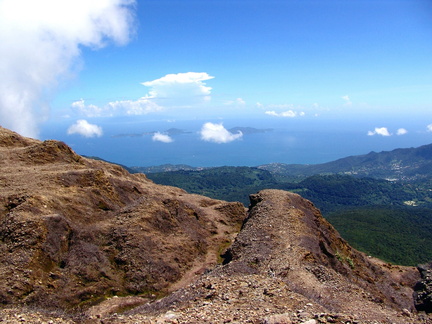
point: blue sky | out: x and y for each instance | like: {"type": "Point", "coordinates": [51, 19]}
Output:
{"type": "Point", "coordinates": [336, 63]}
{"type": "Point", "coordinates": [308, 54]}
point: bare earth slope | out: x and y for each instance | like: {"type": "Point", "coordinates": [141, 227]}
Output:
{"type": "Point", "coordinates": [74, 231]}
{"type": "Point", "coordinates": [88, 238]}
{"type": "Point", "coordinates": [288, 265]}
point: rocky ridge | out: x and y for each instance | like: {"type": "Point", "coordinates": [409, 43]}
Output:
{"type": "Point", "coordinates": [74, 231]}
{"type": "Point", "coordinates": [83, 241]}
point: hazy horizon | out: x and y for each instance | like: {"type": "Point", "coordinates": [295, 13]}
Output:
{"type": "Point", "coordinates": [135, 145]}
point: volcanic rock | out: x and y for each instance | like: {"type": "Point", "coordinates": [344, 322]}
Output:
{"type": "Point", "coordinates": [423, 289]}
{"type": "Point", "coordinates": [74, 231]}
{"type": "Point", "coordinates": [84, 241]}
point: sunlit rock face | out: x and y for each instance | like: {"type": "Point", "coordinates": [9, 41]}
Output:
{"type": "Point", "coordinates": [90, 239]}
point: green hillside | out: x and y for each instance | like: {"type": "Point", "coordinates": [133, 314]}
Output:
{"type": "Point", "coordinates": [401, 235]}
{"type": "Point", "coordinates": [391, 220]}
{"type": "Point", "coordinates": [226, 183]}
{"type": "Point", "coordinates": [401, 164]}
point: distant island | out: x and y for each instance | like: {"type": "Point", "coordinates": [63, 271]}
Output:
{"type": "Point", "coordinates": [249, 130]}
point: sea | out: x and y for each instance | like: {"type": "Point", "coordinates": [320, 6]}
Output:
{"type": "Point", "coordinates": [128, 141]}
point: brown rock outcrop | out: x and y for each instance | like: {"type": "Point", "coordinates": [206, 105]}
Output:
{"type": "Point", "coordinates": [289, 265]}
{"type": "Point", "coordinates": [74, 231]}
{"type": "Point", "coordinates": [423, 289]}
{"type": "Point", "coordinates": [87, 237]}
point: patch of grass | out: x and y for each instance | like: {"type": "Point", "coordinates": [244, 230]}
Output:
{"type": "Point", "coordinates": [345, 259]}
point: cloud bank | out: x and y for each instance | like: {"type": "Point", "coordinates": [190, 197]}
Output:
{"type": "Point", "coordinates": [170, 91]}
{"type": "Point", "coordinates": [159, 137]}
{"type": "Point", "coordinates": [40, 44]}
{"type": "Point", "coordinates": [217, 133]}
{"type": "Point", "coordinates": [141, 106]}
{"type": "Point", "coordinates": [84, 128]}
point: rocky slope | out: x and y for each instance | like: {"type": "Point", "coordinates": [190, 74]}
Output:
{"type": "Point", "coordinates": [74, 231]}
{"type": "Point", "coordinates": [85, 241]}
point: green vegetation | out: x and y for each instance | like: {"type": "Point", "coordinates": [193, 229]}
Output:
{"type": "Point", "coordinates": [401, 235]}
{"type": "Point", "coordinates": [401, 164]}
{"type": "Point", "coordinates": [334, 192]}
{"type": "Point", "coordinates": [328, 192]}
{"type": "Point", "coordinates": [391, 220]}
{"type": "Point", "coordinates": [345, 259]}
{"type": "Point", "coordinates": [226, 183]}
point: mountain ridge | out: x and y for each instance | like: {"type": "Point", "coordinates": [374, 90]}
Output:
{"type": "Point", "coordinates": [398, 164]}
{"type": "Point", "coordinates": [84, 240]}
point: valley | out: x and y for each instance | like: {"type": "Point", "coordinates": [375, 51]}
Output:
{"type": "Point", "coordinates": [380, 186]}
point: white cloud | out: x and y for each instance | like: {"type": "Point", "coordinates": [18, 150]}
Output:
{"type": "Point", "coordinates": [236, 102]}
{"type": "Point", "coordinates": [217, 133]}
{"type": "Point", "coordinates": [383, 131]}
{"type": "Point", "coordinates": [284, 110]}
{"type": "Point", "coordinates": [401, 131]}
{"type": "Point", "coordinates": [347, 100]}
{"type": "Point", "coordinates": [181, 89]}
{"type": "Point", "coordinates": [40, 44]}
{"type": "Point", "coordinates": [171, 91]}
{"type": "Point", "coordinates": [87, 110]}
{"type": "Point", "coordinates": [141, 106]}
{"type": "Point", "coordinates": [159, 137]}
{"type": "Point", "coordinates": [84, 128]}
{"type": "Point", "coordinates": [288, 113]}
{"type": "Point", "coordinates": [429, 128]}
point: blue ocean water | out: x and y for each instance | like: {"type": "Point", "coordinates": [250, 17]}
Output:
{"type": "Point", "coordinates": [129, 142]}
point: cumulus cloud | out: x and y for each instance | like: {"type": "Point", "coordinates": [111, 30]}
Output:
{"type": "Point", "coordinates": [288, 113]}
{"type": "Point", "coordinates": [172, 90]}
{"type": "Point", "coordinates": [401, 131]}
{"type": "Point", "coordinates": [40, 44]}
{"type": "Point", "coordinates": [217, 133]}
{"type": "Point", "coordinates": [383, 131]}
{"type": "Point", "coordinates": [87, 110]}
{"type": "Point", "coordinates": [159, 137]}
{"type": "Point", "coordinates": [84, 128]}
{"type": "Point", "coordinates": [187, 86]}
{"type": "Point", "coordinates": [429, 128]}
